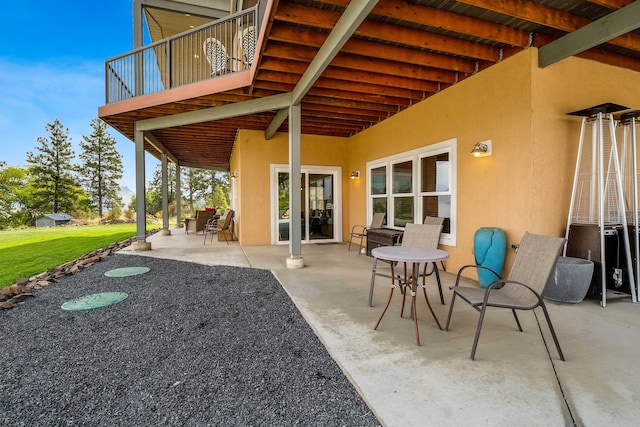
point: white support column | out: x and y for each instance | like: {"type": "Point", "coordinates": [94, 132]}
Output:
{"type": "Point", "coordinates": [141, 205]}
{"type": "Point", "coordinates": [165, 195]}
{"type": "Point", "coordinates": [179, 223]}
{"type": "Point", "coordinates": [295, 231]}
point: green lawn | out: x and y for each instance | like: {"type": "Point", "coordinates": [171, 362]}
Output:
{"type": "Point", "coordinates": [24, 253]}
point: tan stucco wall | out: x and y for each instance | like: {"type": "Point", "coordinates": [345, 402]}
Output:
{"type": "Point", "coordinates": [494, 104]}
{"type": "Point", "coordinates": [252, 158]}
{"type": "Point", "coordinates": [570, 85]}
{"type": "Point", "coordinates": [524, 186]}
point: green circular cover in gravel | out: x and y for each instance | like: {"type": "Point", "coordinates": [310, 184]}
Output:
{"type": "Point", "coordinates": [127, 271]}
{"type": "Point", "coordinates": [89, 302]}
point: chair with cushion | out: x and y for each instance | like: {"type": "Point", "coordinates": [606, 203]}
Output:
{"type": "Point", "coordinates": [225, 225]}
{"type": "Point", "coordinates": [249, 44]}
{"type": "Point", "coordinates": [535, 261]}
{"type": "Point", "coordinates": [198, 222]}
{"type": "Point", "coordinates": [216, 54]}
{"type": "Point", "coordinates": [360, 231]}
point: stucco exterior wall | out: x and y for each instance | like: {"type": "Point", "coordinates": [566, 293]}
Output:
{"type": "Point", "coordinates": [570, 85]}
{"type": "Point", "coordinates": [494, 104]}
{"type": "Point", "coordinates": [252, 158]}
{"type": "Point", "coordinates": [524, 186]}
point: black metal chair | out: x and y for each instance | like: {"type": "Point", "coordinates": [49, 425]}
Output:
{"type": "Point", "coordinates": [360, 231]}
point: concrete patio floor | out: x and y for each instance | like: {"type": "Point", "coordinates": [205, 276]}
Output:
{"type": "Point", "coordinates": [514, 379]}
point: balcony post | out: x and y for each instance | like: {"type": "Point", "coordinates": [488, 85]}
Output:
{"type": "Point", "coordinates": [165, 195]}
{"type": "Point", "coordinates": [295, 231]}
{"type": "Point", "coordinates": [178, 197]}
{"type": "Point", "coordinates": [141, 205]}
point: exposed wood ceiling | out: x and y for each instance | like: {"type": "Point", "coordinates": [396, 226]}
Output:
{"type": "Point", "coordinates": [404, 52]}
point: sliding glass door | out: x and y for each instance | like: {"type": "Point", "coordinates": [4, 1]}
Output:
{"type": "Point", "coordinates": [319, 196]}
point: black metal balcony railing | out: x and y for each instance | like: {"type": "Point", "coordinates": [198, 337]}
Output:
{"type": "Point", "coordinates": [222, 47]}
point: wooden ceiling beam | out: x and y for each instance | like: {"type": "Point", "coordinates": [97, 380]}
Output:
{"type": "Point", "coordinates": [342, 30]}
{"type": "Point", "coordinates": [330, 83]}
{"type": "Point", "coordinates": [314, 99]}
{"type": "Point", "coordinates": [366, 115]}
{"type": "Point", "coordinates": [291, 34]}
{"type": "Point", "coordinates": [438, 18]}
{"type": "Point", "coordinates": [366, 63]}
{"type": "Point", "coordinates": [275, 64]}
{"type": "Point", "coordinates": [315, 111]}
{"type": "Point", "coordinates": [550, 17]}
{"type": "Point", "coordinates": [298, 14]}
{"type": "Point", "coordinates": [341, 93]}
{"type": "Point", "coordinates": [612, 4]}
{"type": "Point", "coordinates": [333, 121]}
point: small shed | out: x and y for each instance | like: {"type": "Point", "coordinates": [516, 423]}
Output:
{"type": "Point", "coordinates": [50, 220]}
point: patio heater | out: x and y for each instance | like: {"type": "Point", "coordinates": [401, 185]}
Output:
{"type": "Point", "coordinates": [597, 214]}
{"type": "Point", "coordinates": [627, 131]}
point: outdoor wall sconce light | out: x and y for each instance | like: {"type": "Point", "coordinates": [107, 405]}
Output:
{"type": "Point", "coordinates": [234, 175]}
{"type": "Point", "coordinates": [482, 149]}
{"type": "Point", "coordinates": [355, 175]}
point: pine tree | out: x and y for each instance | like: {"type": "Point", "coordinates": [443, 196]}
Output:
{"type": "Point", "coordinates": [154, 188]}
{"type": "Point", "coordinates": [102, 168]}
{"type": "Point", "coordinates": [13, 182]}
{"type": "Point", "coordinates": [51, 172]}
{"type": "Point", "coordinates": [219, 190]}
{"type": "Point", "coordinates": [196, 186]}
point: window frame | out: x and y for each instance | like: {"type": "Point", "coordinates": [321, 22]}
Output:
{"type": "Point", "coordinates": [306, 170]}
{"type": "Point", "coordinates": [448, 146]}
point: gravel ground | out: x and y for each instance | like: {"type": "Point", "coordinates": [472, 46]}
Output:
{"type": "Point", "coordinates": [192, 345]}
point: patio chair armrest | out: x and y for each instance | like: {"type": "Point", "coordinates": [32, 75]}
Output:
{"type": "Point", "coordinates": [476, 266]}
{"type": "Point", "coordinates": [501, 283]}
{"type": "Point", "coordinates": [504, 282]}
{"type": "Point", "coordinates": [359, 229]}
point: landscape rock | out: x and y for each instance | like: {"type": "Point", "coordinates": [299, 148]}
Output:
{"type": "Point", "coordinates": [11, 290]}
{"type": "Point", "coordinates": [18, 292]}
{"type": "Point", "coordinates": [19, 298]}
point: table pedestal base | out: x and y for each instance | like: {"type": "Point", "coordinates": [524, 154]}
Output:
{"type": "Point", "coordinates": [409, 283]}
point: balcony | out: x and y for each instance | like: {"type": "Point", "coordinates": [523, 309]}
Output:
{"type": "Point", "coordinates": [223, 47]}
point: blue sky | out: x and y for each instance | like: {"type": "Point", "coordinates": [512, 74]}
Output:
{"type": "Point", "coordinates": [52, 66]}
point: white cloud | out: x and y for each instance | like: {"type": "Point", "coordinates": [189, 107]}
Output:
{"type": "Point", "coordinates": [32, 95]}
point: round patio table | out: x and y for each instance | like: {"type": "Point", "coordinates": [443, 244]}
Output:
{"type": "Point", "coordinates": [415, 256]}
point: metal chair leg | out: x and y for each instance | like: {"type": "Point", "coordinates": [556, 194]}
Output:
{"type": "Point", "coordinates": [373, 280]}
{"type": "Point", "coordinates": [453, 299]}
{"type": "Point", "coordinates": [478, 329]}
{"type": "Point", "coordinates": [553, 332]}
{"type": "Point", "coordinates": [435, 269]}
{"type": "Point", "coordinates": [517, 320]}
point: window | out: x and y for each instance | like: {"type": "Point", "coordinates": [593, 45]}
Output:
{"type": "Point", "coordinates": [422, 183]}
{"type": "Point", "coordinates": [434, 188]}
{"type": "Point", "coordinates": [402, 194]}
{"type": "Point", "coordinates": [378, 180]}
